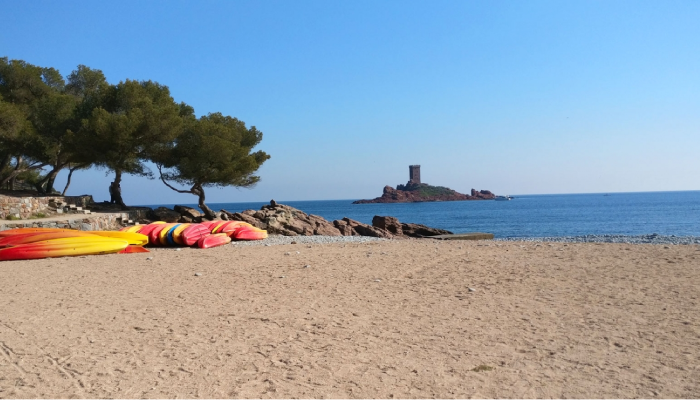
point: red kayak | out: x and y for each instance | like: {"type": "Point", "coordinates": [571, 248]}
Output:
{"type": "Point", "coordinates": [193, 233]}
{"type": "Point", "coordinates": [210, 241]}
{"type": "Point", "coordinates": [249, 233]}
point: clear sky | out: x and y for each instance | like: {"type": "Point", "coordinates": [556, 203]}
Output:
{"type": "Point", "coordinates": [517, 97]}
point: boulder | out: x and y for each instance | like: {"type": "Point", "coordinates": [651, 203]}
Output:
{"type": "Point", "coordinates": [350, 227]}
{"type": "Point", "coordinates": [164, 214]}
{"type": "Point", "coordinates": [189, 212]}
{"type": "Point", "coordinates": [390, 224]}
{"type": "Point", "coordinates": [418, 230]}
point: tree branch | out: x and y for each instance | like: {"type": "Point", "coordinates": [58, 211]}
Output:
{"type": "Point", "coordinates": [160, 172]}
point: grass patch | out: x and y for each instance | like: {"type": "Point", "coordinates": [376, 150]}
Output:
{"type": "Point", "coordinates": [12, 218]}
{"type": "Point", "coordinates": [38, 215]}
{"type": "Point", "coordinates": [481, 368]}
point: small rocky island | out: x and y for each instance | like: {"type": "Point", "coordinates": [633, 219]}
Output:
{"type": "Point", "coordinates": [414, 191]}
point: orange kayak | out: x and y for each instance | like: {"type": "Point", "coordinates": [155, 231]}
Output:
{"type": "Point", "coordinates": [77, 246]}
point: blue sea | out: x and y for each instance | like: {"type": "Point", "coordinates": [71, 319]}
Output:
{"type": "Point", "coordinates": [664, 213]}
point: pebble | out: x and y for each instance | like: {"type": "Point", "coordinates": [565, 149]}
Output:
{"type": "Point", "coordinates": [275, 240]}
{"type": "Point", "coordinates": [471, 289]}
{"type": "Point", "coordinates": [197, 274]}
{"type": "Point", "coordinates": [307, 266]}
{"type": "Point", "coordinates": [653, 238]}
{"type": "Point", "coordinates": [149, 258]}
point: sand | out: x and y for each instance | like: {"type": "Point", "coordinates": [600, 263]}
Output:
{"type": "Point", "coordinates": [392, 319]}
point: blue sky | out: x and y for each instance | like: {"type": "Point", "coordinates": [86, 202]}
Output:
{"type": "Point", "coordinates": [518, 97]}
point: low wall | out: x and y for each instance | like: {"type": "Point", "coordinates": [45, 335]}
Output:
{"type": "Point", "coordinates": [92, 222]}
{"type": "Point", "coordinates": [25, 207]}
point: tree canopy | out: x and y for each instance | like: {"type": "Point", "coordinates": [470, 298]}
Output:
{"type": "Point", "coordinates": [214, 150]}
{"type": "Point", "coordinates": [48, 122]}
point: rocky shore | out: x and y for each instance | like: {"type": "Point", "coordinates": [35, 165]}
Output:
{"type": "Point", "coordinates": [280, 219]}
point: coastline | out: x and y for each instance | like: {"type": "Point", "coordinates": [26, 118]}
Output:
{"type": "Point", "coordinates": [415, 318]}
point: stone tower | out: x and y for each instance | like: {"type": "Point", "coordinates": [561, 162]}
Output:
{"type": "Point", "coordinates": [414, 173]}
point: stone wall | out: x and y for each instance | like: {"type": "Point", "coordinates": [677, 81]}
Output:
{"type": "Point", "coordinates": [26, 207]}
{"type": "Point", "coordinates": [92, 222]}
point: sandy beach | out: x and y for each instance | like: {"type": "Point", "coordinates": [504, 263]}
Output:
{"type": "Point", "coordinates": [392, 319]}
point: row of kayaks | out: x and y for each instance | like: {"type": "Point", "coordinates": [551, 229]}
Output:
{"type": "Point", "coordinates": [203, 235]}
{"type": "Point", "coordinates": [34, 243]}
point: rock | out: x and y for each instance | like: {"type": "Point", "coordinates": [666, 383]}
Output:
{"type": "Point", "coordinates": [273, 202]}
{"type": "Point", "coordinates": [418, 230]}
{"type": "Point", "coordinates": [280, 219]}
{"type": "Point", "coordinates": [164, 214]}
{"type": "Point", "coordinates": [356, 228]}
{"type": "Point", "coordinates": [197, 274]}
{"type": "Point", "coordinates": [422, 192]}
{"type": "Point", "coordinates": [285, 220]}
{"type": "Point", "coordinates": [188, 212]}
{"type": "Point", "coordinates": [390, 224]}
{"type": "Point", "coordinates": [471, 290]}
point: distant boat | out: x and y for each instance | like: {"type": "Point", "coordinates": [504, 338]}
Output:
{"type": "Point", "coordinates": [503, 198]}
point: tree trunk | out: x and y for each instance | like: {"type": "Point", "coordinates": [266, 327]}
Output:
{"type": "Point", "coordinates": [199, 191]}
{"type": "Point", "coordinates": [70, 175]}
{"type": "Point", "coordinates": [45, 186]}
{"type": "Point", "coordinates": [118, 188]}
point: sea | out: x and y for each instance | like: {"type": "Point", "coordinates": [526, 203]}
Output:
{"type": "Point", "coordinates": [526, 216]}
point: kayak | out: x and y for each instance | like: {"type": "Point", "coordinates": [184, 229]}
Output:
{"type": "Point", "coordinates": [233, 226]}
{"type": "Point", "coordinates": [25, 238]}
{"type": "Point", "coordinates": [154, 235]}
{"type": "Point", "coordinates": [214, 240]}
{"type": "Point", "coordinates": [134, 249]}
{"type": "Point", "coordinates": [194, 233]}
{"type": "Point", "coordinates": [162, 236]}
{"type": "Point", "coordinates": [247, 233]}
{"type": "Point", "coordinates": [177, 233]}
{"type": "Point", "coordinates": [169, 237]}
{"type": "Point", "coordinates": [21, 231]}
{"type": "Point", "coordinates": [132, 238]}
{"type": "Point", "coordinates": [75, 246]}
{"type": "Point", "coordinates": [135, 228]}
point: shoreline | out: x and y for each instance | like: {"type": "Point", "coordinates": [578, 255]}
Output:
{"type": "Point", "coordinates": [653, 239]}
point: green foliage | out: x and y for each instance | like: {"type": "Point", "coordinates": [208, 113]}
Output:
{"type": "Point", "coordinates": [83, 121]}
{"type": "Point", "coordinates": [215, 150]}
{"type": "Point", "coordinates": [135, 121]}
{"type": "Point", "coordinates": [430, 191]}
{"type": "Point", "coordinates": [12, 218]}
{"type": "Point", "coordinates": [482, 368]}
{"type": "Point", "coordinates": [425, 190]}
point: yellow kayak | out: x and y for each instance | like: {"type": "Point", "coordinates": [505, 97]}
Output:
{"type": "Point", "coordinates": [75, 246]}
{"type": "Point", "coordinates": [136, 239]}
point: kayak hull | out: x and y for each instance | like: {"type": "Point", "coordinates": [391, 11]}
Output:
{"type": "Point", "coordinates": [62, 248]}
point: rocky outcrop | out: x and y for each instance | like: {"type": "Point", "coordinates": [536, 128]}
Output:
{"type": "Point", "coordinates": [350, 227]}
{"type": "Point", "coordinates": [280, 219]}
{"type": "Point", "coordinates": [188, 214]}
{"type": "Point", "coordinates": [390, 224]}
{"type": "Point", "coordinates": [414, 193]}
{"type": "Point", "coordinates": [164, 214]}
{"type": "Point", "coordinates": [483, 194]}
{"type": "Point", "coordinates": [285, 220]}
{"type": "Point", "coordinates": [418, 230]}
